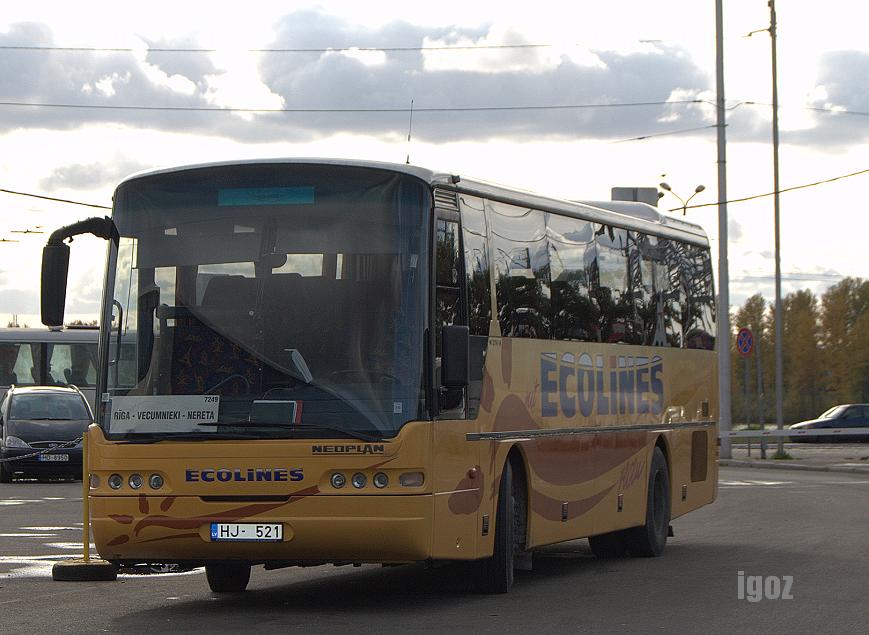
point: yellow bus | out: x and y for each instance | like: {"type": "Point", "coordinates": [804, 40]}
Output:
{"type": "Point", "coordinates": [346, 362]}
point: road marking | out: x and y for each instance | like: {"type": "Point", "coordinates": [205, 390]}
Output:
{"type": "Point", "coordinates": [42, 535]}
{"type": "Point", "coordinates": [67, 545]}
{"type": "Point", "coordinates": [750, 483]}
{"type": "Point", "coordinates": [50, 528]}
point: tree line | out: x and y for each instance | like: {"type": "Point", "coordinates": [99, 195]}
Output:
{"type": "Point", "coordinates": [825, 353]}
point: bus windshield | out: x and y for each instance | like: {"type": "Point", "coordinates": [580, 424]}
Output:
{"type": "Point", "coordinates": [264, 300]}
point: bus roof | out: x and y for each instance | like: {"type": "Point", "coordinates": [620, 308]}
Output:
{"type": "Point", "coordinates": [24, 334]}
{"type": "Point", "coordinates": [627, 214]}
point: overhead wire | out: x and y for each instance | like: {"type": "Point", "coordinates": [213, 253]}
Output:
{"type": "Point", "coordinates": [52, 198]}
{"type": "Point", "coordinates": [338, 49]}
{"type": "Point", "coordinates": [781, 191]}
{"type": "Point", "coordinates": [675, 209]}
{"type": "Point", "coordinates": [402, 109]}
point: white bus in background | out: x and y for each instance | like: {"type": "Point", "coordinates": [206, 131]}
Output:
{"type": "Point", "coordinates": [42, 357]}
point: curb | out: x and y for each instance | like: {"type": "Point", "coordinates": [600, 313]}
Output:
{"type": "Point", "coordinates": [780, 465]}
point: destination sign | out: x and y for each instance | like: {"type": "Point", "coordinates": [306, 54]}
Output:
{"type": "Point", "coordinates": [166, 413]}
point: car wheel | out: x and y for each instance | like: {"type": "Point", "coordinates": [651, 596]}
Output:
{"type": "Point", "coordinates": [228, 577]}
{"type": "Point", "coordinates": [495, 574]}
{"type": "Point", "coordinates": [649, 540]}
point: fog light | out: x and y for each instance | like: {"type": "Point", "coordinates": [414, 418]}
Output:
{"type": "Point", "coordinates": [136, 481]}
{"type": "Point", "coordinates": [155, 481]}
{"type": "Point", "coordinates": [115, 481]}
{"type": "Point", "coordinates": [380, 480]}
{"type": "Point", "coordinates": [94, 481]}
{"type": "Point", "coordinates": [338, 480]}
{"type": "Point", "coordinates": [359, 480]}
{"type": "Point", "coordinates": [411, 479]}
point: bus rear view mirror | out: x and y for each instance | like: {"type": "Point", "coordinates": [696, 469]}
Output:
{"type": "Point", "coordinates": [55, 263]}
{"type": "Point", "coordinates": [455, 371]}
{"type": "Point", "coordinates": [55, 267]}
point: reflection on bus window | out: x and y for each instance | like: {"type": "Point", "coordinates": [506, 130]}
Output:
{"type": "Point", "coordinates": [572, 256]}
{"type": "Point", "coordinates": [522, 271]}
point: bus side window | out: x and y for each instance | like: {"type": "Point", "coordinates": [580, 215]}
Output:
{"type": "Point", "coordinates": [700, 322]}
{"type": "Point", "coordinates": [521, 261]}
{"type": "Point", "coordinates": [448, 304]}
{"type": "Point", "coordinates": [479, 294]}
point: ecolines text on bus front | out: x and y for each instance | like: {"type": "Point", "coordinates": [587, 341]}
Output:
{"type": "Point", "coordinates": [579, 384]}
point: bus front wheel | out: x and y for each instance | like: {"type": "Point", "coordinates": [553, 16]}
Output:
{"type": "Point", "coordinates": [649, 540]}
{"type": "Point", "coordinates": [228, 577]}
{"type": "Point", "coordinates": [495, 574]}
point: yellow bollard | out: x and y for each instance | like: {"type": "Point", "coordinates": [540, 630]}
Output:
{"type": "Point", "coordinates": [85, 505]}
{"type": "Point", "coordinates": [84, 570]}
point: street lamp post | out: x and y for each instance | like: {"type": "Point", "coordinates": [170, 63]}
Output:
{"type": "Point", "coordinates": [697, 190]}
{"type": "Point", "coordinates": [779, 311]}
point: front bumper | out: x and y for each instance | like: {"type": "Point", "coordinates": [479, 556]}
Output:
{"type": "Point", "coordinates": [317, 528]}
{"type": "Point", "coordinates": [39, 465]}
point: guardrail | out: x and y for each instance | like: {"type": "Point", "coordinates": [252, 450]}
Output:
{"type": "Point", "coordinates": [814, 432]}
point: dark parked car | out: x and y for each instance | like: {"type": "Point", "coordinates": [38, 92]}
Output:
{"type": "Point", "coordinates": [37, 418]}
{"type": "Point", "coordinates": [844, 416]}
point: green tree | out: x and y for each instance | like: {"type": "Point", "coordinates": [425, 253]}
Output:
{"type": "Point", "coordinates": [845, 341]}
{"type": "Point", "coordinates": [752, 315]}
{"type": "Point", "coordinates": [802, 366]}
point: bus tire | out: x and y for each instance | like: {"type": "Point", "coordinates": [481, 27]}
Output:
{"type": "Point", "coordinates": [495, 574]}
{"type": "Point", "coordinates": [228, 577]}
{"type": "Point", "coordinates": [609, 545]}
{"type": "Point", "coordinates": [649, 540]}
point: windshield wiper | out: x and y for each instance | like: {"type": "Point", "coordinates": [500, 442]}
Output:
{"type": "Point", "coordinates": [187, 436]}
{"type": "Point", "coordinates": [362, 436]}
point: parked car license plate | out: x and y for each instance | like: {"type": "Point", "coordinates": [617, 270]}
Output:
{"type": "Point", "coordinates": [54, 457]}
{"type": "Point", "coordinates": [255, 532]}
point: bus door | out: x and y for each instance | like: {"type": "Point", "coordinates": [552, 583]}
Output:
{"type": "Point", "coordinates": [456, 470]}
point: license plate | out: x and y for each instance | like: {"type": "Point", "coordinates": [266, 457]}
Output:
{"type": "Point", "coordinates": [54, 457]}
{"type": "Point", "coordinates": [252, 532]}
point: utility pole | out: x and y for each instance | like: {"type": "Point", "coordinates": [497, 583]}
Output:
{"type": "Point", "coordinates": [779, 312]}
{"type": "Point", "coordinates": [724, 422]}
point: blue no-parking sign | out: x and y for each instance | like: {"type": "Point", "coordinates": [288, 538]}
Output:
{"type": "Point", "coordinates": [744, 342]}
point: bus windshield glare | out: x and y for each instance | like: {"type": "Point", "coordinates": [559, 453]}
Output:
{"type": "Point", "coordinates": [284, 300]}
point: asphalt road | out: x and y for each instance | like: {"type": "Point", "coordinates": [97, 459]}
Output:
{"type": "Point", "coordinates": [806, 527]}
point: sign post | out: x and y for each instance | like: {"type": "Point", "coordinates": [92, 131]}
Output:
{"type": "Point", "coordinates": [744, 346]}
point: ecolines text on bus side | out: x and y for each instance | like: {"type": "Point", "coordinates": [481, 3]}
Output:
{"type": "Point", "coordinates": [582, 384]}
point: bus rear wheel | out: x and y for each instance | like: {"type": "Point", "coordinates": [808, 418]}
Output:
{"type": "Point", "coordinates": [649, 540]}
{"type": "Point", "coordinates": [228, 577]}
{"type": "Point", "coordinates": [495, 574]}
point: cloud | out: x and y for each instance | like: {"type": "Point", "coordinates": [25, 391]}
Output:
{"type": "Point", "coordinates": [90, 176]}
{"type": "Point", "coordinates": [196, 67]}
{"type": "Point", "coordinates": [348, 79]}
{"type": "Point", "coordinates": [25, 300]}
{"type": "Point", "coordinates": [734, 230]}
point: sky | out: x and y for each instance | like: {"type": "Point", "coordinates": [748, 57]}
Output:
{"type": "Point", "coordinates": [565, 99]}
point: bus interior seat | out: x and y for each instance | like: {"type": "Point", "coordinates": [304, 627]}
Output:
{"type": "Point", "coordinates": [204, 360]}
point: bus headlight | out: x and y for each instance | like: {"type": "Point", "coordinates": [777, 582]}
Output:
{"type": "Point", "coordinates": [115, 481]}
{"type": "Point", "coordinates": [136, 481]}
{"type": "Point", "coordinates": [411, 479]}
{"type": "Point", "coordinates": [359, 480]}
{"type": "Point", "coordinates": [155, 481]}
{"type": "Point", "coordinates": [380, 480]}
{"type": "Point", "coordinates": [338, 480]}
